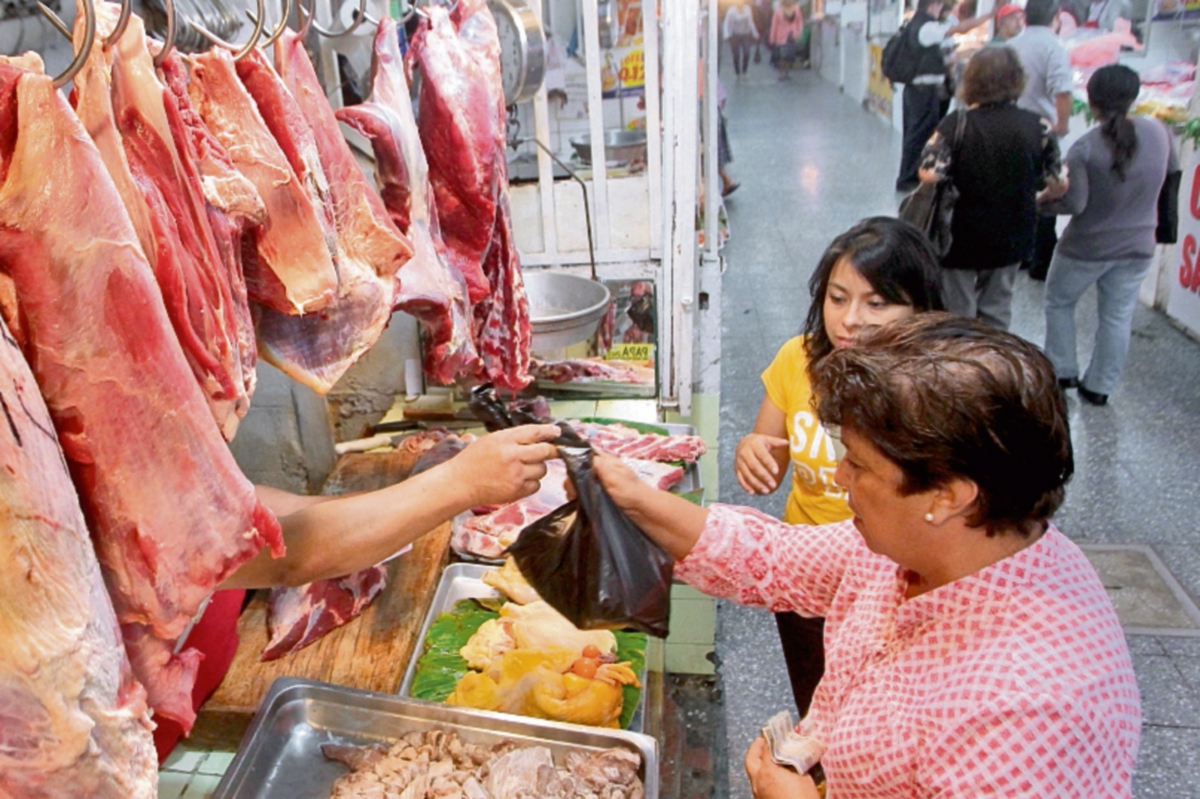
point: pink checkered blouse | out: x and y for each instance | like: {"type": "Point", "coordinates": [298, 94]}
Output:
{"type": "Point", "coordinates": [1013, 681]}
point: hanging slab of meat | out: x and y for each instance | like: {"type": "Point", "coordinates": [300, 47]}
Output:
{"type": "Point", "coordinates": [72, 720]}
{"type": "Point", "coordinates": [503, 331]}
{"type": "Point", "coordinates": [233, 204]}
{"type": "Point", "coordinates": [462, 128]}
{"type": "Point", "coordinates": [431, 288]}
{"type": "Point", "coordinates": [297, 617]}
{"type": "Point", "coordinates": [489, 534]}
{"type": "Point", "coordinates": [170, 513]}
{"type": "Point", "coordinates": [317, 350]}
{"type": "Point", "coordinates": [287, 259]}
{"type": "Point", "coordinates": [163, 185]}
{"type": "Point", "coordinates": [625, 442]}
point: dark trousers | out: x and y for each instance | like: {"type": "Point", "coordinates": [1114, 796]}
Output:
{"type": "Point", "coordinates": [1045, 240]}
{"type": "Point", "coordinates": [804, 652]}
{"type": "Point", "coordinates": [740, 47]}
{"type": "Point", "coordinates": [922, 113]}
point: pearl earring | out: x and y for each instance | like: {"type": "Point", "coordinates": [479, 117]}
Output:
{"type": "Point", "coordinates": [929, 518]}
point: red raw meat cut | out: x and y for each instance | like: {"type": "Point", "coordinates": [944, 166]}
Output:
{"type": "Point", "coordinates": [625, 442]}
{"type": "Point", "coordinates": [590, 370]}
{"type": "Point", "coordinates": [233, 203]}
{"type": "Point", "coordinates": [170, 513]}
{"type": "Point", "coordinates": [462, 129]}
{"type": "Point", "coordinates": [431, 289]}
{"type": "Point", "coordinates": [318, 349]}
{"type": "Point", "coordinates": [487, 535]}
{"type": "Point", "coordinates": [503, 331]}
{"type": "Point", "coordinates": [72, 720]}
{"type": "Point", "coordinates": [288, 260]}
{"type": "Point", "coordinates": [121, 97]}
{"type": "Point", "coordinates": [296, 617]}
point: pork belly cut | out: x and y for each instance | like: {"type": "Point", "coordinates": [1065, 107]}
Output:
{"type": "Point", "coordinates": [170, 513]}
{"type": "Point", "coordinates": [431, 288]}
{"type": "Point", "coordinates": [287, 259]}
{"type": "Point", "coordinates": [73, 722]}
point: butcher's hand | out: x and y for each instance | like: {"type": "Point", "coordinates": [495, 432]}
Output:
{"type": "Point", "coordinates": [505, 466]}
{"type": "Point", "coordinates": [756, 464]}
{"type": "Point", "coordinates": [769, 780]}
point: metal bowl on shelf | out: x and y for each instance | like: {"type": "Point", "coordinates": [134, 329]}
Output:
{"type": "Point", "coordinates": [563, 309]}
{"type": "Point", "coordinates": [620, 145]}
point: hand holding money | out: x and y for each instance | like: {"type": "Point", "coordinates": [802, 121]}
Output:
{"type": "Point", "coordinates": [790, 748]}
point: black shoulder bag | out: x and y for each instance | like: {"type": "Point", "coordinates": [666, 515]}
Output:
{"type": "Point", "coordinates": [931, 206]}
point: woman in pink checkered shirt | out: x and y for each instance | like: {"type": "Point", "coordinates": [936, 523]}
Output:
{"type": "Point", "coordinates": [971, 649]}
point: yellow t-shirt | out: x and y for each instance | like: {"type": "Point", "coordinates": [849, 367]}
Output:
{"type": "Point", "coordinates": [815, 498]}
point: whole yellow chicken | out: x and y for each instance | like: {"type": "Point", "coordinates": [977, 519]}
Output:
{"type": "Point", "coordinates": [549, 683]}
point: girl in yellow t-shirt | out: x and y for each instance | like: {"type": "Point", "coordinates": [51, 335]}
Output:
{"type": "Point", "coordinates": [881, 270]}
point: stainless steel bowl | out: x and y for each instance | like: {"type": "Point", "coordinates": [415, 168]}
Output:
{"type": "Point", "coordinates": [563, 309]}
{"type": "Point", "coordinates": [619, 145]}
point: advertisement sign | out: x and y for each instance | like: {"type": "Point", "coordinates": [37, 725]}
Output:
{"type": "Point", "coordinates": [1183, 301]}
{"type": "Point", "coordinates": [879, 88]}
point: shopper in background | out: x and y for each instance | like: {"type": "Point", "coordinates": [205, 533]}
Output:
{"type": "Point", "coordinates": [1048, 85]}
{"type": "Point", "coordinates": [1010, 21]}
{"type": "Point", "coordinates": [1117, 171]}
{"type": "Point", "coordinates": [924, 96]}
{"type": "Point", "coordinates": [786, 27]}
{"type": "Point", "coordinates": [972, 648]}
{"type": "Point", "coordinates": [763, 12]}
{"type": "Point", "coordinates": [1103, 14]}
{"type": "Point", "coordinates": [880, 270]}
{"type": "Point", "coordinates": [741, 32]}
{"type": "Point", "coordinates": [1005, 157]}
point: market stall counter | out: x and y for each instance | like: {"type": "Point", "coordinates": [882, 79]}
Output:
{"type": "Point", "coordinates": [370, 653]}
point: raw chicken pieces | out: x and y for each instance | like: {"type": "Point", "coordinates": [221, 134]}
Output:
{"type": "Point", "coordinates": [72, 720]}
{"type": "Point", "coordinates": [169, 511]}
{"type": "Point", "coordinates": [431, 288]}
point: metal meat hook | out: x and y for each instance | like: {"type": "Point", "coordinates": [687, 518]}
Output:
{"type": "Point", "coordinates": [89, 39]}
{"type": "Point", "coordinates": [279, 29]}
{"type": "Point", "coordinates": [360, 16]}
{"type": "Point", "coordinates": [255, 34]}
{"type": "Point", "coordinates": [169, 35]}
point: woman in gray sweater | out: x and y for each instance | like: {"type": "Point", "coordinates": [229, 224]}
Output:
{"type": "Point", "coordinates": [1116, 172]}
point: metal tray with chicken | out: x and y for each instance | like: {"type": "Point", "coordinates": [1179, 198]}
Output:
{"type": "Point", "coordinates": [491, 643]}
{"type": "Point", "coordinates": [316, 740]}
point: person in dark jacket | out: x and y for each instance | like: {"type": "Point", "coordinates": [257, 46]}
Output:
{"type": "Point", "coordinates": [1005, 157]}
{"type": "Point", "coordinates": [923, 95]}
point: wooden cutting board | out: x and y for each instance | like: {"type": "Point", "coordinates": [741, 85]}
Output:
{"type": "Point", "coordinates": [370, 652]}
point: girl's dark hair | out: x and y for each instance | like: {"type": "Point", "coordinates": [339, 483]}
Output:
{"type": "Point", "coordinates": [893, 256]}
{"type": "Point", "coordinates": [1041, 12]}
{"type": "Point", "coordinates": [1111, 91]}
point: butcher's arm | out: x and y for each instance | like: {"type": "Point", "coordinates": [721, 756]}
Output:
{"type": "Point", "coordinates": [334, 536]}
{"type": "Point", "coordinates": [284, 503]}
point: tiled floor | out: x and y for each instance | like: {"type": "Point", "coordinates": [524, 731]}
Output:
{"type": "Point", "coordinates": [811, 163]}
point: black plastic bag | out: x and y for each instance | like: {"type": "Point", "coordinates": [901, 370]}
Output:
{"type": "Point", "coordinates": [496, 415]}
{"type": "Point", "coordinates": [589, 561]}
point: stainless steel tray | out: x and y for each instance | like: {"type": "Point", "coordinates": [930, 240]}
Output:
{"type": "Point", "coordinates": [465, 581]}
{"type": "Point", "coordinates": [280, 757]}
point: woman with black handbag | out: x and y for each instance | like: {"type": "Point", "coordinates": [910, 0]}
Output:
{"type": "Point", "coordinates": [998, 162]}
{"type": "Point", "coordinates": [1118, 172]}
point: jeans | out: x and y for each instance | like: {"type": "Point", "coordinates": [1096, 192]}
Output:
{"type": "Point", "coordinates": [1117, 284]}
{"type": "Point", "coordinates": [985, 294]}
{"type": "Point", "coordinates": [740, 47]}
{"type": "Point", "coordinates": [922, 113]}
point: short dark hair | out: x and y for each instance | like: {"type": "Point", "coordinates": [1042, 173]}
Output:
{"type": "Point", "coordinates": [1041, 12]}
{"type": "Point", "coordinates": [892, 255]}
{"type": "Point", "coordinates": [923, 5]}
{"type": "Point", "coordinates": [993, 75]}
{"type": "Point", "coordinates": [946, 397]}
